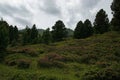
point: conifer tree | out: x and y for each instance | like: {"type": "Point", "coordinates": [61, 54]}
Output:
{"type": "Point", "coordinates": [116, 15]}
{"type": "Point", "coordinates": [4, 38]}
{"type": "Point", "coordinates": [46, 36]}
{"type": "Point", "coordinates": [39, 38]}
{"type": "Point", "coordinates": [4, 35]}
{"type": "Point", "coordinates": [78, 32]}
{"type": "Point", "coordinates": [34, 34]}
{"type": "Point", "coordinates": [11, 34]}
{"type": "Point", "coordinates": [59, 31]}
{"type": "Point", "coordinates": [26, 37]}
{"type": "Point", "coordinates": [16, 33]}
{"type": "Point", "coordinates": [88, 28]}
{"type": "Point", "coordinates": [101, 24]}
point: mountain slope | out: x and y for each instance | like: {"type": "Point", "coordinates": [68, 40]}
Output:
{"type": "Point", "coordinates": [79, 59]}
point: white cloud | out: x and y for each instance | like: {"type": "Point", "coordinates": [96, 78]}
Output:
{"type": "Point", "coordinates": [44, 13]}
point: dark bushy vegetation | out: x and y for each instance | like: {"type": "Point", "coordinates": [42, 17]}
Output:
{"type": "Point", "coordinates": [30, 52]}
{"type": "Point", "coordinates": [51, 60]}
{"type": "Point", "coordinates": [104, 74]}
{"type": "Point", "coordinates": [23, 63]}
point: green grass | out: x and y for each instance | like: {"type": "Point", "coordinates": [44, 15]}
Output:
{"type": "Point", "coordinates": [80, 56]}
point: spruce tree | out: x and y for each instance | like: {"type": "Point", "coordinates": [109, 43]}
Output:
{"type": "Point", "coordinates": [88, 28]}
{"type": "Point", "coordinates": [11, 34]}
{"type": "Point", "coordinates": [16, 35]}
{"type": "Point", "coordinates": [46, 37]}
{"type": "Point", "coordinates": [101, 24]}
{"type": "Point", "coordinates": [59, 31]}
{"type": "Point", "coordinates": [116, 15]}
{"type": "Point", "coordinates": [34, 34]}
{"type": "Point", "coordinates": [78, 32]}
{"type": "Point", "coordinates": [4, 35]}
{"type": "Point", "coordinates": [39, 40]}
{"type": "Point", "coordinates": [26, 37]}
{"type": "Point", "coordinates": [4, 38]}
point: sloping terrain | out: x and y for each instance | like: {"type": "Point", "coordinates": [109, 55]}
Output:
{"type": "Point", "coordinates": [93, 58]}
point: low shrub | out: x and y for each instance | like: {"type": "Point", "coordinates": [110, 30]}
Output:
{"type": "Point", "coordinates": [117, 52]}
{"type": "Point", "coordinates": [18, 76]}
{"type": "Point", "coordinates": [68, 58]}
{"type": "Point", "coordinates": [12, 59]}
{"type": "Point", "coordinates": [11, 63]}
{"type": "Point", "coordinates": [104, 74]}
{"type": "Point", "coordinates": [59, 64]}
{"type": "Point", "coordinates": [54, 56]}
{"type": "Point", "coordinates": [41, 51]}
{"type": "Point", "coordinates": [23, 63]}
{"type": "Point", "coordinates": [44, 62]}
{"type": "Point", "coordinates": [30, 52]}
{"type": "Point", "coordinates": [88, 58]}
{"type": "Point", "coordinates": [2, 55]}
{"type": "Point", "coordinates": [102, 64]}
{"type": "Point", "coordinates": [111, 57]}
{"type": "Point", "coordinates": [51, 60]}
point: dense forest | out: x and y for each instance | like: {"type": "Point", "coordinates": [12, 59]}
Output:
{"type": "Point", "coordinates": [89, 52]}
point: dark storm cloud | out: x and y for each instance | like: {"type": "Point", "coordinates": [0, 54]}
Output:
{"type": "Point", "coordinates": [50, 7]}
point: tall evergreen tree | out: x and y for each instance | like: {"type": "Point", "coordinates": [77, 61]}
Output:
{"type": "Point", "coordinates": [4, 38]}
{"type": "Point", "coordinates": [34, 34]}
{"type": "Point", "coordinates": [59, 31]}
{"type": "Point", "coordinates": [39, 40]}
{"type": "Point", "coordinates": [11, 34]}
{"type": "Point", "coordinates": [79, 30]}
{"type": "Point", "coordinates": [101, 23]}
{"type": "Point", "coordinates": [16, 33]}
{"type": "Point", "coordinates": [4, 35]}
{"type": "Point", "coordinates": [46, 36]}
{"type": "Point", "coordinates": [88, 28]}
{"type": "Point", "coordinates": [26, 37]}
{"type": "Point", "coordinates": [116, 15]}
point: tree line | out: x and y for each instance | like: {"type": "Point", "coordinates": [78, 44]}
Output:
{"type": "Point", "coordinates": [10, 35]}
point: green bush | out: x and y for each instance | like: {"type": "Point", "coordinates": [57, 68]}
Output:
{"type": "Point", "coordinates": [104, 74]}
{"type": "Point", "coordinates": [88, 58]}
{"type": "Point", "coordinates": [117, 52]}
{"type": "Point", "coordinates": [30, 52]}
{"type": "Point", "coordinates": [12, 59]}
{"type": "Point", "coordinates": [41, 51]}
{"type": "Point", "coordinates": [102, 64]}
{"type": "Point", "coordinates": [18, 76]}
{"type": "Point", "coordinates": [11, 63]}
{"type": "Point", "coordinates": [23, 63]}
{"type": "Point", "coordinates": [44, 62]}
{"type": "Point", "coordinates": [51, 60]}
{"type": "Point", "coordinates": [2, 55]}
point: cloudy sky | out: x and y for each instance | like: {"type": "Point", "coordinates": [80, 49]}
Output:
{"type": "Point", "coordinates": [44, 13]}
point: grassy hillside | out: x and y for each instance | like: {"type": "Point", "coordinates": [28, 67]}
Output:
{"type": "Point", "coordinates": [94, 58]}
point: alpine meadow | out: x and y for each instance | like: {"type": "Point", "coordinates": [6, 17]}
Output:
{"type": "Point", "coordinates": [59, 39]}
